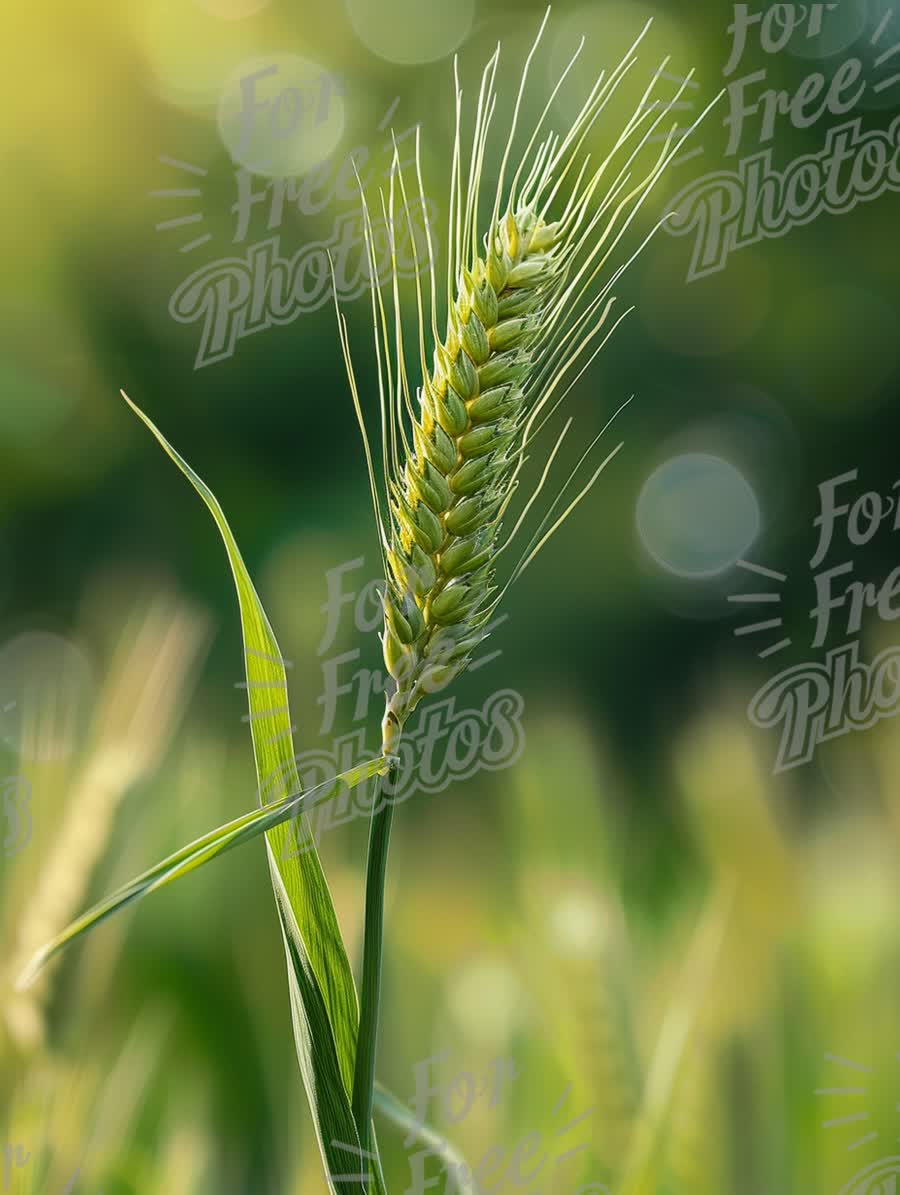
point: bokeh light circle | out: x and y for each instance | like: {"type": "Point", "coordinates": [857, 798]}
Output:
{"type": "Point", "coordinates": [579, 925]}
{"type": "Point", "coordinates": [189, 53]}
{"type": "Point", "coordinates": [865, 29]}
{"type": "Point", "coordinates": [46, 695]}
{"type": "Point", "coordinates": [32, 404]}
{"type": "Point", "coordinates": [824, 29]}
{"type": "Point", "coordinates": [697, 514]}
{"type": "Point", "coordinates": [609, 31]}
{"type": "Point", "coordinates": [486, 1000]}
{"type": "Point", "coordinates": [281, 114]}
{"type": "Point", "coordinates": [401, 31]}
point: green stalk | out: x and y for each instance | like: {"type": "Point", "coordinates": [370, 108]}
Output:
{"type": "Point", "coordinates": [373, 951]}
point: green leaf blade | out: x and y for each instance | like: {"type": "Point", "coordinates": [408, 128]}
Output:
{"type": "Point", "coordinates": [323, 994]}
{"type": "Point", "coordinates": [202, 850]}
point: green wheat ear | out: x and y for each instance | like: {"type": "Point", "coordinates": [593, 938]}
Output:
{"type": "Point", "coordinates": [522, 311]}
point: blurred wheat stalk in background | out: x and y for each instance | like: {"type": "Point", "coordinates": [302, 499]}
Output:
{"type": "Point", "coordinates": [63, 1114]}
{"type": "Point", "coordinates": [150, 677]}
{"type": "Point", "coordinates": [704, 1043]}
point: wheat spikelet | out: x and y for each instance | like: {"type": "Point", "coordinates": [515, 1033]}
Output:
{"type": "Point", "coordinates": [521, 314]}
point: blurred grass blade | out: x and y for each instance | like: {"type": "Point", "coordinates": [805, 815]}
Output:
{"type": "Point", "coordinates": [323, 996]}
{"type": "Point", "coordinates": [195, 854]}
{"type": "Point", "coordinates": [642, 1171]}
{"type": "Point", "coordinates": [454, 1163]}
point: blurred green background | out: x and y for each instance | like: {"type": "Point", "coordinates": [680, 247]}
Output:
{"type": "Point", "coordinates": [638, 910]}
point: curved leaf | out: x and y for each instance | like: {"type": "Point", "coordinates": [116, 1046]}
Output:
{"type": "Point", "coordinates": [323, 996]}
{"type": "Point", "coordinates": [195, 854]}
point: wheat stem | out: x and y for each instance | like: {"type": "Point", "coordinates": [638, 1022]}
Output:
{"type": "Point", "coordinates": [373, 952]}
